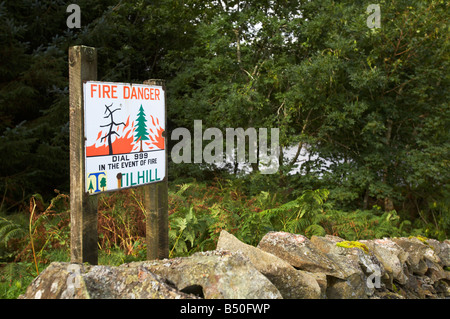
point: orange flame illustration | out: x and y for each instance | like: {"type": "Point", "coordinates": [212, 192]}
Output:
{"type": "Point", "coordinates": [157, 140]}
{"type": "Point", "coordinates": [121, 145]}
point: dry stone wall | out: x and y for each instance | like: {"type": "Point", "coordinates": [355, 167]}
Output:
{"type": "Point", "coordinates": [283, 265]}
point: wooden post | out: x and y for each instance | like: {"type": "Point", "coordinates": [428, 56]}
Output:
{"type": "Point", "coordinates": [163, 217]}
{"type": "Point", "coordinates": [83, 208]}
{"type": "Point", "coordinates": [156, 205]}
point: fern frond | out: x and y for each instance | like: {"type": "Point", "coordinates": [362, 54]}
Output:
{"type": "Point", "coordinates": [183, 188]}
{"type": "Point", "coordinates": [9, 230]}
{"type": "Point", "coordinates": [315, 230]}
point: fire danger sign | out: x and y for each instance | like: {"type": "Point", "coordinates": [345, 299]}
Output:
{"type": "Point", "coordinates": [124, 143]}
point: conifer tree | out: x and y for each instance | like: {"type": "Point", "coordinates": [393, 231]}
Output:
{"type": "Point", "coordinates": [141, 128]}
{"type": "Point", "coordinates": [91, 187]}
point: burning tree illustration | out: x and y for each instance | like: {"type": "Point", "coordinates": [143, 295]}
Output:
{"type": "Point", "coordinates": [141, 128]}
{"type": "Point", "coordinates": [111, 124]}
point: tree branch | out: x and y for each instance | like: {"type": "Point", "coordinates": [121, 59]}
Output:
{"type": "Point", "coordinates": [300, 145]}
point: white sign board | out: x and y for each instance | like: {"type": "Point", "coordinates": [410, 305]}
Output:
{"type": "Point", "coordinates": [124, 143]}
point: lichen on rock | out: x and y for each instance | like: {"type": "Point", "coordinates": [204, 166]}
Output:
{"type": "Point", "coordinates": [353, 244]}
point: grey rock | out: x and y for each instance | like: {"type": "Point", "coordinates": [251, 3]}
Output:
{"type": "Point", "coordinates": [442, 249]}
{"type": "Point", "coordinates": [292, 283]}
{"type": "Point", "coordinates": [299, 252]}
{"type": "Point", "coordinates": [74, 281]}
{"type": "Point", "coordinates": [392, 256]}
{"type": "Point", "coordinates": [217, 274]}
{"type": "Point", "coordinates": [418, 252]}
{"type": "Point", "coordinates": [353, 287]}
{"type": "Point", "coordinates": [348, 261]}
{"type": "Point", "coordinates": [354, 268]}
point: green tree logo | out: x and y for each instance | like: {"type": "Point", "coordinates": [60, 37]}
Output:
{"type": "Point", "coordinates": [141, 128]}
{"type": "Point", "coordinates": [91, 187]}
{"type": "Point", "coordinates": [103, 183]}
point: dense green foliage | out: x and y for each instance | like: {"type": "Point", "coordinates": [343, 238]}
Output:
{"type": "Point", "coordinates": [369, 106]}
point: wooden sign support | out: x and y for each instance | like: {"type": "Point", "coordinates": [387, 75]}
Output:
{"type": "Point", "coordinates": [156, 206]}
{"type": "Point", "coordinates": [83, 208]}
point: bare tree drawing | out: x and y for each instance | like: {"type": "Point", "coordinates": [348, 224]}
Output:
{"type": "Point", "coordinates": [111, 124]}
